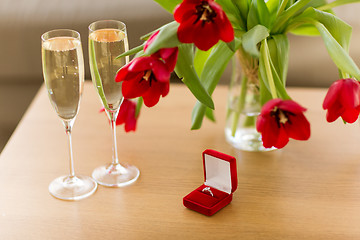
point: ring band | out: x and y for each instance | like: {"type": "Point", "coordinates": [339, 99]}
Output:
{"type": "Point", "coordinates": [207, 189]}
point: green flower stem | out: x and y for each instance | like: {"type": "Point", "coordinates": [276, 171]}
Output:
{"type": "Point", "coordinates": [239, 105]}
{"type": "Point", "coordinates": [249, 67]}
{"type": "Point", "coordinates": [265, 54]}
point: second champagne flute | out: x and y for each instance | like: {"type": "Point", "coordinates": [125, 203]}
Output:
{"type": "Point", "coordinates": [63, 70]}
{"type": "Point", "coordinates": [107, 40]}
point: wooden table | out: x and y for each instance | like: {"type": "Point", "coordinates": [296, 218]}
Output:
{"type": "Point", "coordinates": [309, 190]}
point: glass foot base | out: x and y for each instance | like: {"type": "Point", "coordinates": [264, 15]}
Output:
{"type": "Point", "coordinates": [116, 175]}
{"type": "Point", "coordinates": [72, 188]}
{"type": "Point", "coordinates": [246, 140]}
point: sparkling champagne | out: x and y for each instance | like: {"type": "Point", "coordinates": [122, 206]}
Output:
{"type": "Point", "coordinates": [107, 40]}
{"type": "Point", "coordinates": [104, 46]}
{"type": "Point", "coordinates": [64, 74]}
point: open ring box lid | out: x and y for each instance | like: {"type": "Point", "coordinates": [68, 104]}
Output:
{"type": "Point", "coordinates": [221, 176]}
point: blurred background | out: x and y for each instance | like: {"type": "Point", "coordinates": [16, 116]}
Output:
{"type": "Point", "coordinates": [23, 21]}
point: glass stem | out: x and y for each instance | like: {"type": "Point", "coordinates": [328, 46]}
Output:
{"type": "Point", "coordinates": [71, 159]}
{"type": "Point", "coordinates": [115, 153]}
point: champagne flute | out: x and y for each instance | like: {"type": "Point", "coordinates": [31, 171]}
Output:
{"type": "Point", "coordinates": [63, 70]}
{"type": "Point", "coordinates": [107, 40]}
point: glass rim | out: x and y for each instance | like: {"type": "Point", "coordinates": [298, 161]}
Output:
{"type": "Point", "coordinates": [44, 38]}
{"type": "Point", "coordinates": [121, 25]}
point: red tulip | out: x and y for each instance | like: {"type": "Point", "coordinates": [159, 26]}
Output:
{"type": "Point", "coordinates": [343, 100]}
{"type": "Point", "coordinates": [127, 115]}
{"type": "Point", "coordinates": [280, 120]}
{"type": "Point", "coordinates": [202, 22]}
{"type": "Point", "coordinates": [168, 55]}
{"type": "Point", "coordinates": [147, 77]}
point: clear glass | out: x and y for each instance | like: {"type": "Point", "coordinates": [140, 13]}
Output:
{"type": "Point", "coordinates": [63, 71]}
{"type": "Point", "coordinates": [243, 105]}
{"type": "Point", "coordinates": [107, 40]}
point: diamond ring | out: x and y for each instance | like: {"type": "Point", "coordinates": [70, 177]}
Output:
{"type": "Point", "coordinates": [207, 189]}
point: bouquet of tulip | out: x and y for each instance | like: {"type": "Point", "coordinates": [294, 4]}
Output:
{"type": "Point", "coordinates": [205, 36]}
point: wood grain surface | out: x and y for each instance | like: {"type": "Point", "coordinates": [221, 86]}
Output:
{"type": "Point", "coordinates": [308, 190]}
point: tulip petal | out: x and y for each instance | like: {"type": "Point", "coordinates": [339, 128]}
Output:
{"type": "Point", "coordinates": [207, 35]}
{"type": "Point", "coordinates": [152, 96]}
{"type": "Point", "coordinates": [298, 127]}
{"type": "Point", "coordinates": [141, 64]}
{"type": "Point", "coordinates": [350, 115]}
{"type": "Point", "coordinates": [171, 60]}
{"type": "Point", "coordinates": [282, 139]}
{"type": "Point", "coordinates": [184, 10]}
{"type": "Point", "coordinates": [334, 111]}
{"type": "Point", "coordinates": [225, 28]}
{"type": "Point", "coordinates": [122, 73]}
{"type": "Point", "coordinates": [349, 95]}
{"type": "Point", "coordinates": [130, 123]}
{"type": "Point", "coordinates": [151, 39]}
{"type": "Point", "coordinates": [134, 88]}
{"type": "Point", "coordinates": [160, 71]}
{"type": "Point", "coordinates": [127, 76]}
{"type": "Point", "coordinates": [227, 32]}
{"type": "Point", "coordinates": [332, 94]}
{"type": "Point", "coordinates": [165, 88]}
{"type": "Point", "coordinates": [269, 106]}
{"type": "Point", "coordinates": [186, 30]}
{"type": "Point", "coordinates": [291, 106]}
{"type": "Point", "coordinates": [122, 115]}
{"type": "Point", "coordinates": [270, 131]}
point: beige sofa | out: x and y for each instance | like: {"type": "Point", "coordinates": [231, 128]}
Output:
{"type": "Point", "coordinates": [23, 21]}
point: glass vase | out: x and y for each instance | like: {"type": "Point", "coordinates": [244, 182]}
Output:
{"type": "Point", "coordinates": [243, 105]}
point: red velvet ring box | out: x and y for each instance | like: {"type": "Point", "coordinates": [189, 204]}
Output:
{"type": "Point", "coordinates": [220, 182]}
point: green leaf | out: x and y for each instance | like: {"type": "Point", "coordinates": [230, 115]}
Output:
{"type": "Point", "coordinates": [139, 54]}
{"type": "Point", "coordinates": [139, 103]}
{"type": "Point", "coordinates": [95, 75]}
{"type": "Point", "coordinates": [305, 30]}
{"type": "Point", "coordinates": [231, 45]}
{"type": "Point", "coordinates": [251, 39]}
{"type": "Point", "coordinates": [168, 5]}
{"type": "Point", "coordinates": [200, 59]}
{"type": "Point", "coordinates": [264, 63]}
{"type": "Point", "coordinates": [187, 72]}
{"type": "Point", "coordinates": [131, 51]}
{"type": "Point", "coordinates": [265, 94]}
{"type": "Point", "coordinates": [269, 74]}
{"type": "Point", "coordinates": [315, 4]}
{"type": "Point", "coordinates": [209, 114]}
{"type": "Point", "coordinates": [279, 51]}
{"type": "Point", "coordinates": [280, 86]}
{"type": "Point", "coordinates": [242, 9]}
{"type": "Point", "coordinates": [282, 7]}
{"type": "Point", "coordinates": [212, 71]}
{"type": "Point", "coordinates": [166, 38]}
{"type": "Point", "coordinates": [233, 13]}
{"type": "Point", "coordinates": [252, 17]}
{"type": "Point", "coordinates": [263, 13]}
{"type": "Point", "coordinates": [258, 14]}
{"type": "Point", "coordinates": [280, 23]}
{"type": "Point", "coordinates": [243, 6]}
{"type": "Point", "coordinates": [339, 56]}
{"type": "Point", "coordinates": [274, 5]}
{"type": "Point", "coordinates": [340, 30]}
{"type": "Point", "coordinates": [336, 4]}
